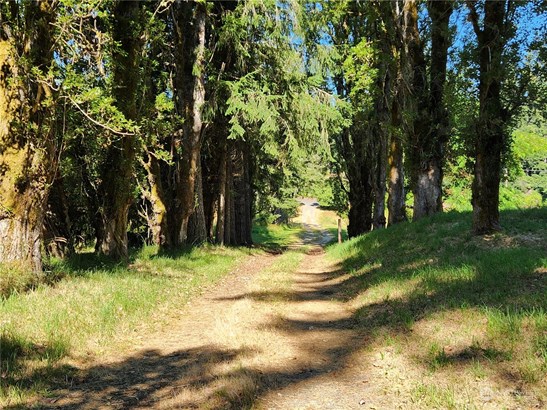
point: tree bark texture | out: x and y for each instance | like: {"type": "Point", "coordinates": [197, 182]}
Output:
{"type": "Point", "coordinates": [490, 126]}
{"type": "Point", "coordinates": [383, 32]}
{"type": "Point", "coordinates": [229, 218]}
{"type": "Point", "coordinates": [156, 197]}
{"type": "Point", "coordinates": [27, 149]}
{"type": "Point", "coordinates": [189, 97]}
{"type": "Point", "coordinates": [429, 128]}
{"type": "Point", "coordinates": [209, 167]}
{"type": "Point", "coordinates": [380, 120]}
{"type": "Point", "coordinates": [222, 183]}
{"type": "Point", "coordinates": [118, 169]}
{"type": "Point", "coordinates": [379, 218]}
{"type": "Point", "coordinates": [242, 195]}
{"type": "Point", "coordinates": [197, 231]}
{"type": "Point", "coordinates": [361, 196]}
{"type": "Point", "coordinates": [396, 198]}
{"type": "Point", "coordinates": [396, 190]}
{"type": "Point", "coordinates": [234, 217]}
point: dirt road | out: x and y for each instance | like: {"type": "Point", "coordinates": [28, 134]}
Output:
{"type": "Point", "coordinates": [313, 233]}
{"type": "Point", "coordinates": [277, 333]}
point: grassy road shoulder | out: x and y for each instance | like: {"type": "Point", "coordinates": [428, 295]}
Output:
{"type": "Point", "coordinates": [96, 307]}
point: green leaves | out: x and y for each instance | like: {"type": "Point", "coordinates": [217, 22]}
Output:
{"type": "Point", "coordinates": [359, 69]}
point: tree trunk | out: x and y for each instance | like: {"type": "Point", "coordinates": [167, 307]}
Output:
{"type": "Point", "coordinates": [360, 214]}
{"type": "Point", "coordinates": [492, 119]}
{"type": "Point", "coordinates": [381, 115]}
{"type": "Point", "coordinates": [209, 172]}
{"type": "Point", "coordinates": [417, 104]}
{"type": "Point", "coordinates": [396, 190]}
{"type": "Point", "coordinates": [197, 232]}
{"type": "Point", "coordinates": [429, 129]}
{"type": "Point", "coordinates": [57, 235]}
{"type": "Point", "coordinates": [361, 199]}
{"type": "Point", "coordinates": [396, 199]}
{"type": "Point", "coordinates": [379, 218]}
{"type": "Point", "coordinates": [27, 149]}
{"type": "Point", "coordinates": [248, 193]}
{"type": "Point", "coordinates": [242, 195]}
{"type": "Point", "coordinates": [190, 97]}
{"type": "Point", "coordinates": [118, 170]}
{"type": "Point", "coordinates": [156, 196]}
{"type": "Point", "coordinates": [230, 223]}
{"type": "Point", "coordinates": [222, 183]}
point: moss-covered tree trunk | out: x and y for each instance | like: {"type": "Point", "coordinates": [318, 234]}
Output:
{"type": "Point", "coordinates": [116, 190]}
{"type": "Point", "coordinates": [490, 127]}
{"type": "Point", "coordinates": [27, 150]}
{"type": "Point", "coordinates": [156, 197]}
{"type": "Point", "coordinates": [189, 97]}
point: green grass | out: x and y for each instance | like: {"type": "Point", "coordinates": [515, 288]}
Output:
{"type": "Point", "coordinates": [487, 292]}
{"type": "Point", "coordinates": [94, 306]}
{"type": "Point", "coordinates": [432, 396]}
{"type": "Point", "coordinates": [276, 237]}
{"type": "Point", "coordinates": [14, 279]}
{"type": "Point", "coordinates": [329, 221]}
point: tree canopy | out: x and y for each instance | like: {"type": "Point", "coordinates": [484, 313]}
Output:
{"type": "Point", "coordinates": [179, 122]}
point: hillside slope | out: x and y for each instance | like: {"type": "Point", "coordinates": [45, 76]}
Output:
{"type": "Point", "coordinates": [464, 318]}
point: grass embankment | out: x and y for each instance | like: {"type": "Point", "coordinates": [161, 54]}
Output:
{"type": "Point", "coordinates": [95, 307]}
{"type": "Point", "coordinates": [468, 313]}
{"type": "Point", "coordinates": [328, 220]}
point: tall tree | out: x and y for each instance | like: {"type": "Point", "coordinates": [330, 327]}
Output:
{"type": "Point", "coordinates": [189, 25]}
{"type": "Point", "coordinates": [439, 12]}
{"type": "Point", "coordinates": [27, 148]}
{"type": "Point", "coordinates": [352, 84]}
{"type": "Point", "coordinates": [116, 189]}
{"type": "Point", "coordinates": [430, 125]}
{"type": "Point", "coordinates": [490, 127]}
{"type": "Point", "coordinates": [383, 32]}
{"type": "Point", "coordinates": [396, 204]}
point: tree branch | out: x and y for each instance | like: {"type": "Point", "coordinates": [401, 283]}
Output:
{"type": "Point", "coordinates": [474, 17]}
{"type": "Point", "coordinates": [106, 127]}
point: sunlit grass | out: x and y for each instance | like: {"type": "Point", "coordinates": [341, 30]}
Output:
{"type": "Point", "coordinates": [276, 236]}
{"type": "Point", "coordinates": [465, 306]}
{"type": "Point", "coordinates": [95, 306]}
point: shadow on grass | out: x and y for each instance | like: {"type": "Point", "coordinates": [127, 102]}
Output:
{"type": "Point", "coordinates": [15, 352]}
{"type": "Point", "coordinates": [451, 269]}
